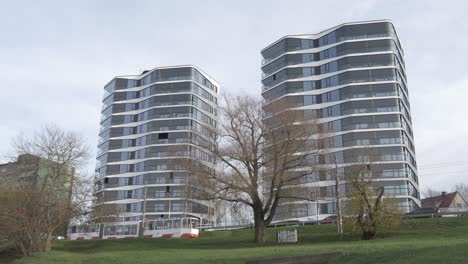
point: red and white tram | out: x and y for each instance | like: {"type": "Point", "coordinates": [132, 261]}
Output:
{"type": "Point", "coordinates": [167, 228]}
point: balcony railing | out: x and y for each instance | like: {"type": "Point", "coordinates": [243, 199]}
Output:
{"type": "Point", "coordinates": [277, 54]}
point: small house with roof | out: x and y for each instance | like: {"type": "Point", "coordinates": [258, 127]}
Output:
{"type": "Point", "coordinates": [446, 202]}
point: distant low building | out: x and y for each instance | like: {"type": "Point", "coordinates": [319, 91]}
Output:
{"type": "Point", "coordinates": [39, 173]}
{"type": "Point", "coordinates": [34, 170]}
{"type": "Point", "coordinates": [446, 202]}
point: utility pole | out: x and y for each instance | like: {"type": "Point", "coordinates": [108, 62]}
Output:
{"type": "Point", "coordinates": [143, 215]}
{"type": "Point", "coordinates": [317, 206]}
{"type": "Point", "coordinates": [101, 217]}
{"type": "Point", "coordinates": [339, 219]}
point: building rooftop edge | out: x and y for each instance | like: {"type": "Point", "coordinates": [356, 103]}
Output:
{"type": "Point", "coordinates": [323, 32]}
{"type": "Point", "coordinates": [141, 76]}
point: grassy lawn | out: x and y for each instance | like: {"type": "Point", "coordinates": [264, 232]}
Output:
{"type": "Point", "coordinates": [443, 240]}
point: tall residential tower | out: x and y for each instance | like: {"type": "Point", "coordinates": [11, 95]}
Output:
{"type": "Point", "coordinates": [352, 78]}
{"type": "Point", "coordinates": [152, 126]}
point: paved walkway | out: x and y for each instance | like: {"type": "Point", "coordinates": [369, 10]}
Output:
{"type": "Point", "coordinates": [314, 259]}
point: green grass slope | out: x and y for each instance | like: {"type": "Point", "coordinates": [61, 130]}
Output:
{"type": "Point", "coordinates": [442, 240]}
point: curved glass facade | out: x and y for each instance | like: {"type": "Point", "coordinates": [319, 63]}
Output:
{"type": "Point", "coordinates": [152, 126]}
{"type": "Point", "coordinates": [352, 77]}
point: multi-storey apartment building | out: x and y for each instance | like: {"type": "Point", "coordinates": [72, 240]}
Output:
{"type": "Point", "coordinates": [352, 79]}
{"type": "Point", "coordinates": [36, 172]}
{"type": "Point", "coordinates": [152, 126]}
{"type": "Point", "coordinates": [41, 174]}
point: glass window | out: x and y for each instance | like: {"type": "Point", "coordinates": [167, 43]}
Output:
{"type": "Point", "coordinates": [306, 43]}
{"type": "Point", "coordinates": [306, 72]}
{"type": "Point", "coordinates": [337, 125]}
{"type": "Point", "coordinates": [324, 55]}
{"type": "Point", "coordinates": [309, 99]}
{"type": "Point", "coordinates": [330, 81]}
{"type": "Point", "coordinates": [309, 86]}
{"type": "Point", "coordinates": [325, 68]}
{"type": "Point", "coordinates": [328, 39]}
{"type": "Point", "coordinates": [331, 37]}
{"type": "Point", "coordinates": [335, 95]}
{"type": "Point", "coordinates": [332, 52]}
{"type": "Point", "coordinates": [332, 66]}
{"type": "Point", "coordinates": [159, 207]}
{"type": "Point", "coordinates": [163, 135]}
{"type": "Point", "coordinates": [177, 207]}
{"type": "Point", "coordinates": [336, 110]}
{"type": "Point", "coordinates": [323, 41]}
{"type": "Point", "coordinates": [147, 80]}
{"type": "Point", "coordinates": [123, 168]}
{"type": "Point", "coordinates": [334, 80]}
{"type": "Point", "coordinates": [325, 97]}
{"type": "Point", "coordinates": [328, 53]}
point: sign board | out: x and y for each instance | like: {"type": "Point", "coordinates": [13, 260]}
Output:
{"type": "Point", "coordinates": [287, 236]}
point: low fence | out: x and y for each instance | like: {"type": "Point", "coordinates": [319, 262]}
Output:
{"type": "Point", "coordinates": [313, 222]}
{"type": "Point", "coordinates": [435, 215]}
{"type": "Point", "coordinates": [251, 225]}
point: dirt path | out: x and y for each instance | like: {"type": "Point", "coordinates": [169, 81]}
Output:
{"type": "Point", "coordinates": [314, 259]}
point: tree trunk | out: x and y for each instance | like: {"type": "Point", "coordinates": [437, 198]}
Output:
{"type": "Point", "coordinates": [47, 243]}
{"type": "Point", "coordinates": [367, 235]}
{"type": "Point", "coordinates": [369, 232]}
{"type": "Point", "coordinates": [260, 232]}
{"type": "Point", "coordinates": [260, 228]}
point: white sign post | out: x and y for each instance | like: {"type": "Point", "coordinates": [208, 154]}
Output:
{"type": "Point", "coordinates": [287, 236]}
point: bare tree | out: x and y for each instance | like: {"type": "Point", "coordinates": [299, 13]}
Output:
{"type": "Point", "coordinates": [366, 207]}
{"type": "Point", "coordinates": [462, 189]}
{"type": "Point", "coordinates": [430, 192]}
{"type": "Point", "coordinates": [231, 213]}
{"type": "Point", "coordinates": [255, 155]}
{"type": "Point", "coordinates": [82, 196]}
{"type": "Point", "coordinates": [46, 203]}
{"type": "Point", "coordinates": [105, 213]}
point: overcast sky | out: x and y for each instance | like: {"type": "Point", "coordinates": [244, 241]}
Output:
{"type": "Point", "coordinates": [56, 56]}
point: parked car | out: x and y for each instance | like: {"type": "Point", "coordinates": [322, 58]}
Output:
{"type": "Point", "coordinates": [329, 220]}
{"type": "Point", "coordinates": [424, 212]}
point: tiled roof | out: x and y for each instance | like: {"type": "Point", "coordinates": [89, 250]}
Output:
{"type": "Point", "coordinates": [440, 201]}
